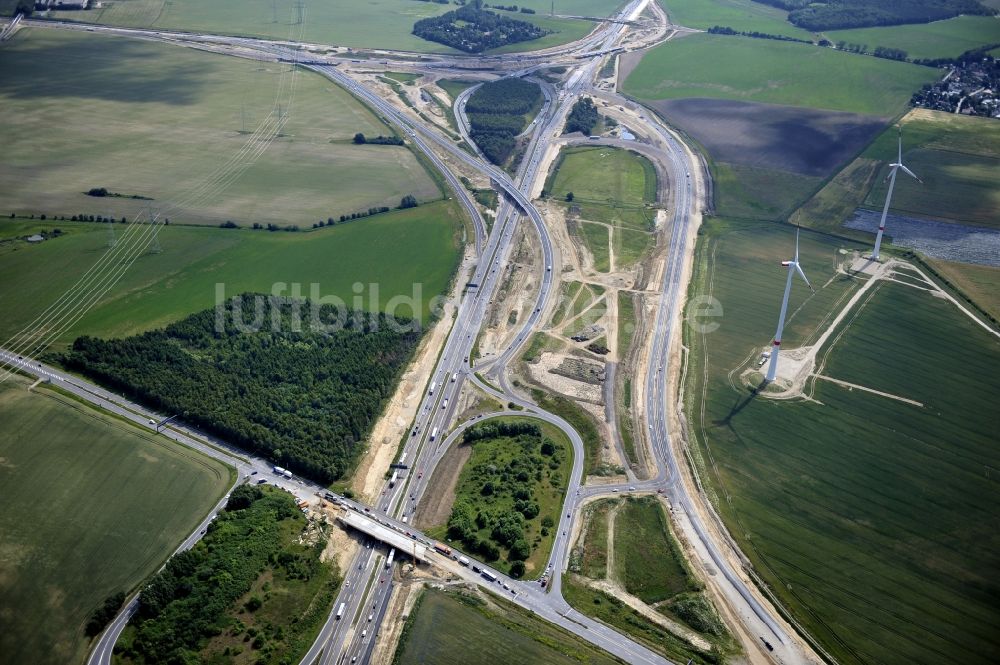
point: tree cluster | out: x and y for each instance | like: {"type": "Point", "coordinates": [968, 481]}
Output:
{"type": "Point", "coordinates": [103, 615]}
{"type": "Point", "coordinates": [101, 192]}
{"type": "Point", "coordinates": [475, 30]}
{"type": "Point", "coordinates": [304, 399]}
{"type": "Point", "coordinates": [497, 502]}
{"type": "Point", "coordinates": [582, 117]}
{"type": "Point", "coordinates": [497, 114]}
{"type": "Point", "coordinates": [187, 602]}
{"type": "Point", "coordinates": [842, 14]}
{"type": "Point", "coordinates": [361, 139]}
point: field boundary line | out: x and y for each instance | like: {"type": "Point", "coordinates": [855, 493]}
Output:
{"type": "Point", "coordinates": [848, 384]}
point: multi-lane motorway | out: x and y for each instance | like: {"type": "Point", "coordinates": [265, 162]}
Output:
{"type": "Point", "coordinates": [349, 634]}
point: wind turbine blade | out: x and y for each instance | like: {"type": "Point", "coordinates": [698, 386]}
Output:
{"type": "Point", "coordinates": [798, 269]}
{"type": "Point", "coordinates": [796, 246]}
{"type": "Point", "coordinates": [911, 174]}
{"type": "Point", "coordinates": [900, 159]}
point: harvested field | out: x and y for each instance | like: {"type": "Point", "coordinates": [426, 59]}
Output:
{"type": "Point", "coordinates": [810, 142]}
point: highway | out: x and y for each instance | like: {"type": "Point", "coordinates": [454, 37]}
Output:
{"type": "Point", "coordinates": [367, 586]}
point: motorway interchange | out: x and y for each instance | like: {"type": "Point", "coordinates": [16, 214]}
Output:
{"type": "Point", "coordinates": [349, 634]}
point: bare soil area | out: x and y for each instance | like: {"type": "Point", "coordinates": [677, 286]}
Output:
{"type": "Point", "coordinates": [435, 507]}
{"type": "Point", "coordinates": [806, 141]}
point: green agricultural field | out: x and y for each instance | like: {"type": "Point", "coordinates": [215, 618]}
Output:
{"type": "Point", "coordinates": [387, 24]}
{"type": "Point", "coordinates": [604, 176]}
{"type": "Point", "coordinates": [626, 323]}
{"type": "Point", "coordinates": [390, 255]}
{"type": "Point", "coordinates": [569, 293]}
{"type": "Point", "coordinates": [449, 627]}
{"type": "Point", "coordinates": [648, 560]}
{"type": "Point", "coordinates": [612, 186]}
{"type": "Point", "coordinates": [958, 159]}
{"type": "Point", "coordinates": [580, 420]}
{"type": "Point", "coordinates": [82, 111]}
{"type": "Point", "coordinates": [92, 506]}
{"type": "Point", "coordinates": [594, 558]}
{"type": "Point", "coordinates": [752, 192]}
{"type": "Point", "coordinates": [870, 518]}
{"type": "Point", "coordinates": [509, 495]}
{"type": "Point", "coordinates": [740, 15]}
{"type": "Point", "coordinates": [939, 39]}
{"type": "Point", "coordinates": [978, 282]}
{"type": "Point", "coordinates": [764, 70]}
{"type": "Point", "coordinates": [615, 613]}
{"type": "Point", "coordinates": [595, 237]}
{"type": "Point", "coordinates": [454, 87]}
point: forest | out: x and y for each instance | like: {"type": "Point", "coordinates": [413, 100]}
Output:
{"type": "Point", "coordinates": [192, 599]}
{"type": "Point", "coordinates": [582, 118]}
{"type": "Point", "coordinates": [498, 111]}
{"type": "Point", "coordinates": [475, 30]}
{"type": "Point", "coordinates": [497, 509]}
{"type": "Point", "coordinates": [842, 14]}
{"type": "Point", "coordinates": [302, 387]}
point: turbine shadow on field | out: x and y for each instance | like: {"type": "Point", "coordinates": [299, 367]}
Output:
{"type": "Point", "coordinates": [740, 404]}
{"type": "Point", "coordinates": [128, 68]}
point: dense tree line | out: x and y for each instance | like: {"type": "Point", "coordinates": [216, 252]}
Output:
{"type": "Point", "coordinates": [497, 114]}
{"type": "Point", "coordinates": [497, 501]}
{"type": "Point", "coordinates": [841, 14]}
{"type": "Point", "coordinates": [726, 30]}
{"type": "Point", "coordinates": [502, 428]}
{"type": "Point", "coordinates": [582, 118]}
{"type": "Point", "coordinates": [188, 600]}
{"type": "Point", "coordinates": [475, 30]}
{"type": "Point", "coordinates": [304, 399]}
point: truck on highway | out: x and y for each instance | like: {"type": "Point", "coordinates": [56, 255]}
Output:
{"type": "Point", "coordinates": [454, 377]}
{"type": "Point", "coordinates": [488, 575]}
{"type": "Point", "coordinates": [282, 472]}
{"type": "Point", "coordinates": [434, 433]}
{"type": "Point", "coordinates": [443, 549]}
{"type": "Point", "coordinates": [444, 404]}
{"type": "Point", "coordinates": [388, 559]}
{"type": "Point", "coordinates": [395, 477]}
{"type": "Point", "coordinates": [340, 611]}
{"type": "Point", "coordinates": [463, 560]}
{"type": "Point", "coordinates": [433, 386]}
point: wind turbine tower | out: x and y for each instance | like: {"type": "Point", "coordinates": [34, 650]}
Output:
{"type": "Point", "coordinates": [888, 197]}
{"type": "Point", "coordinates": [793, 267]}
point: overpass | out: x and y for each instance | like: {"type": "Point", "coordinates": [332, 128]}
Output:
{"type": "Point", "coordinates": [387, 535]}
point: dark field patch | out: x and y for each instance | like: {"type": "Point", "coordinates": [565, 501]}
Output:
{"type": "Point", "coordinates": [805, 141]}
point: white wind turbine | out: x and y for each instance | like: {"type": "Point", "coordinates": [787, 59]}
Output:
{"type": "Point", "coordinates": [793, 267]}
{"type": "Point", "coordinates": [888, 197]}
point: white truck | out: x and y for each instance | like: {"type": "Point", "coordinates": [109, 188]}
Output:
{"type": "Point", "coordinates": [395, 477]}
{"type": "Point", "coordinates": [434, 433]}
{"type": "Point", "coordinates": [340, 611]}
{"type": "Point", "coordinates": [454, 377]}
{"type": "Point", "coordinates": [433, 386]}
{"type": "Point", "coordinates": [463, 560]}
